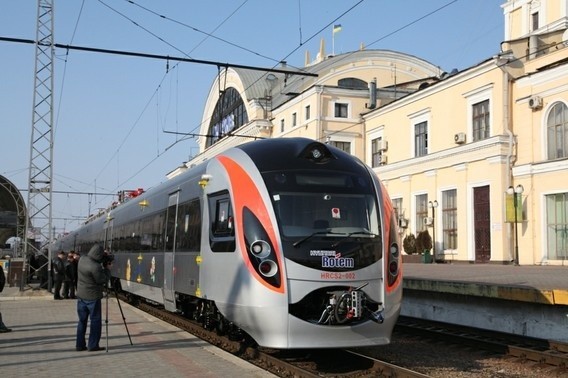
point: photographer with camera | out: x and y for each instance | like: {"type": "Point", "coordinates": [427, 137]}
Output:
{"type": "Point", "coordinates": [94, 274]}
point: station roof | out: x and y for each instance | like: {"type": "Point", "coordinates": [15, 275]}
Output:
{"type": "Point", "coordinates": [12, 211]}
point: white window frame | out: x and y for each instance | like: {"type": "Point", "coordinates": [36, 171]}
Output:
{"type": "Point", "coordinates": [345, 102]}
{"type": "Point", "coordinates": [423, 115]}
{"type": "Point", "coordinates": [474, 97]}
{"type": "Point", "coordinates": [375, 134]}
{"type": "Point", "coordinates": [544, 232]}
{"type": "Point", "coordinates": [544, 123]}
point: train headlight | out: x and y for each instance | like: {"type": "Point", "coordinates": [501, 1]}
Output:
{"type": "Point", "coordinates": [268, 268]}
{"type": "Point", "coordinates": [260, 249]}
{"type": "Point", "coordinates": [261, 252]}
{"type": "Point", "coordinates": [317, 152]}
{"type": "Point", "coordinates": [394, 250]}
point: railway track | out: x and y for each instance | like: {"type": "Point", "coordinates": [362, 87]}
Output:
{"type": "Point", "coordinates": [359, 364]}
{"type": "Point", "coordinates": [541, 351]}
{"type": "Point", "coordinates": [284, 363]}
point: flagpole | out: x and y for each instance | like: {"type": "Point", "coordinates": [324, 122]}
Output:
{"type": "Point", "coordinates": [336, 28]}
{"type": "Point", "coordinates": [333, 40]}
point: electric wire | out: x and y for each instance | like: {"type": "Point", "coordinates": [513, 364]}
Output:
{"type": "Point", "coordinates": [154, 94]}
{"type": "Point", "coordinates": [64, 75]}
{"type": "Point", "coordinates": [374, 42]}
{"type": "Point", "coordinates": [207, 35]}
{"type": "Point", "coordinates": [289, 54]}
{"type": "Point", "coordinates": [144, 28]}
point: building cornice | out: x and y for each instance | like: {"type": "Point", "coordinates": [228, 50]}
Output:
{"type": "Point", "coordinates": [492, 150]}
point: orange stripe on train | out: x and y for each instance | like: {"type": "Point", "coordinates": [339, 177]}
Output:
{"type": "Point", "coordinates": [245, 193]}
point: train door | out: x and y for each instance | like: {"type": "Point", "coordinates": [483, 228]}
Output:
{"type": "Point", "coordinates": [481, 222]}
{"type": "Point", "coordinates": [169, 252]}
{"type": "Point", "coordinates": [108, 227]}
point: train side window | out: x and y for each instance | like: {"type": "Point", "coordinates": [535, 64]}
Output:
{"type": "Point", "coordinates": [223, 221]}
{"type": "Point", "coordinates": [222, 231]}
{"type": "Point", "coordinates": [189, 226]}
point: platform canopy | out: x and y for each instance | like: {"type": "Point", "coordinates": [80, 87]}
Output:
{"type": "Point", "coordinates": [12, 212]}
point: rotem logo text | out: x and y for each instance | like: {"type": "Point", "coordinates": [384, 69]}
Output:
{"type": "Point", "coordinates": [337, 262]}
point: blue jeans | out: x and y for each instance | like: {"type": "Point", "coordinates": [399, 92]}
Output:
{"type": "Point", "coordinates": [86, 309]}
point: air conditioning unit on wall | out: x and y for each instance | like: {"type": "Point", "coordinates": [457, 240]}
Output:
{"type": "Point", "coordinates": [535, 102]}
{"type": "Point", "coordinates": [427, 221]}
{"type": "Point", "coordinates": [459, 138]}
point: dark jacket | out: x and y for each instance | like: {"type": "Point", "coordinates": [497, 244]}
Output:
{"type": "Point", "coordinates": [58, 267]}
{"type": "Point", "coordinates": [92, 276]}
{"type": "Point", "coordinates": [69, 271]}
{"type": "Point", "coordinates": [2, 278]}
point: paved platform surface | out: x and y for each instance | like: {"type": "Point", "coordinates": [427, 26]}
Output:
{"type": "Point", "coordinates": [540, 284]}
{"type": "Point", "coordinates": [42, 343]}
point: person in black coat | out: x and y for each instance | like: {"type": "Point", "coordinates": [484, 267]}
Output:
{"type": "Point", "coordinates": [69, 279]}
{"type": "Point", "coordinates": [58, 269]}
{"type": "Point", "coordinates": [75, 267]}
{"type": "Point", "coordinates": [94, 275]}
{"type": "Point", "coordinates": [3, 328]}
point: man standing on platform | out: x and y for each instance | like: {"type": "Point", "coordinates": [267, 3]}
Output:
{"type": "Point", "coordinates": [58, 268]}
{"type": "Point", "coordinates": [3, 328]}
{"type": "Point", "coordinates": [93, 278]}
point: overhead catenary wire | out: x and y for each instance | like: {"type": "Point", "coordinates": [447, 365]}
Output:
{"type": "Point", "coordinates": [301, 44]}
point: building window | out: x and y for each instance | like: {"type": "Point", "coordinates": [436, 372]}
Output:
{"type": "Point", "coordinates": [399, 212]}
{"type": "Point", "coordinates": [557, 131]}
{"type": "Point", "coordinates": [343, 146]}
{"type": "Point", "coordinates": [534, 21]}
{"type": "Point", "coordinates": [294, 119]}
{"type": "Point", "coordinates": [421, 211]}
{"type": "Point", "coordinates": [450, 219]}
{"type": "Point", "coordinates": [480, 120]}
{"type": "Point", "coordinates": [341, 110]}
{"type": "Point", "coordinates": [281, 125]}
{"type": "Point", "coordinates": [376, 152]}
{"type": "Point", "coordinates": [421, 139]}
{"type": "Point", "coordinates": [352, 83]}
{"type": "Point", "coordinates": [397, 205]}
{"type": "Point", "coordinates": [307, 112]}
{"type": "Point", "coordinates": [230, 113]}
{"type": "Point", "coordinates": [557, 226]}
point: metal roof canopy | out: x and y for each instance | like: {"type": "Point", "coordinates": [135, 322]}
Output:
{"type": "Point", "coordinates": [12, 212]}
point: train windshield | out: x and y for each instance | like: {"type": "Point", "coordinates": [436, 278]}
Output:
{"type": "Point", "coordinates": [320, 203]}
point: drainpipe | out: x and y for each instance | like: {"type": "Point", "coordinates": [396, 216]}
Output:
{"type": "Point", "coordinates": [511, 155]}
{"type": "Point", "coordinates": [319, 131]}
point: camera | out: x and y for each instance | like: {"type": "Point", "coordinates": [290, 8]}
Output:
{"type": "Point", "coordinates": [108, 258]}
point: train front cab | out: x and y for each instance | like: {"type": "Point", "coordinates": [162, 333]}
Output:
{"type": "Point", "coordinates": [256, 286]}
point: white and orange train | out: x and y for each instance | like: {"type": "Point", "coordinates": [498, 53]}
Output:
{"type": "Point", "coordinates": [288, 240]}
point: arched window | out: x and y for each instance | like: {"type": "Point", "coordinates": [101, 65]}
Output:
{"type": "Point", "coordinates": [230, 113]}
{"type": "Point", "coordinates": [557, 131]}
{"type": "Point", "coordinates": [352, 83]}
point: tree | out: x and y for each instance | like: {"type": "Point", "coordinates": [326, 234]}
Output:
{"type": "Point", "coordinates": [409, 244]}
{"type": "Point", "coordinates": [423, 241]}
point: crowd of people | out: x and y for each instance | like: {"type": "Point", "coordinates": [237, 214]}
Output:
{"type": "Point", "coordinates": [82, 278]}
{"type": "Point", "coordinates": [64, 271]}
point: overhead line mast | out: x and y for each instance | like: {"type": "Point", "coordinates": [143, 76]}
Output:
{"type": "Point", "coordinates": [39, 232]}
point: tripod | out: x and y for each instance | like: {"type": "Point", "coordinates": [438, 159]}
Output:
{"type": "Point", "coordinates": [121, 312]}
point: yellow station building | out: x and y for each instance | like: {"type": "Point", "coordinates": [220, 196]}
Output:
{"type": "Point", "coordinates": [457, 151]}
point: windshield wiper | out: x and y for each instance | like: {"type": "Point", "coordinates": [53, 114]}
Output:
{"type": "Point", "coordinates": [351, 234]}
{"type": "Point", "coordinates": [296, 244]}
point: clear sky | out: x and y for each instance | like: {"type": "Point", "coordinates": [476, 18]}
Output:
{"type": "Point", "coordinates": [111, 112]}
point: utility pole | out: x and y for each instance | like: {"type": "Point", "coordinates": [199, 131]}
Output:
{"type": "Point", "coordinates": [39, 234]}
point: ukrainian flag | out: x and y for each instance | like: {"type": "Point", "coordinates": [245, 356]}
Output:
{"type": "Point", "coordinates": [336, 28]}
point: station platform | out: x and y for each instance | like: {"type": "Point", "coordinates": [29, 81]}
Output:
{"type": "Point", "coordinates": [523, 300]}
{"type": "Point", "coordinates": [42, 343]}
{"type": "Point", "coordinates": [534, 284]}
